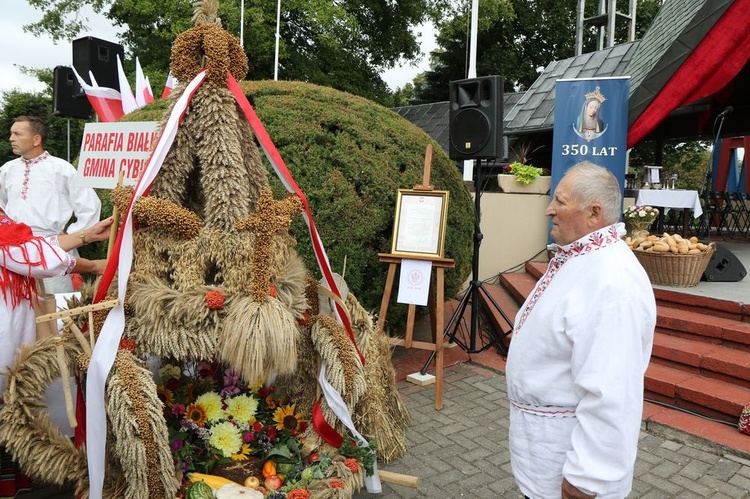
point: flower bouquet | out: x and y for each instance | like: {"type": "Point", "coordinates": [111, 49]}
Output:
{"type": "Point", "coordinates": [221, 427]}
{"type": "Point", "coordinates": [638, 219]}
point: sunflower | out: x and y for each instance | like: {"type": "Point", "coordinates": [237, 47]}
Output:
{"type": "Point", "coordinates": [242, 454]}
{"type": "Point", "coordinates": [286, 419]}
{"type": "Point", "coordinates": [165, 395]}
{"type": "Point", "coordinates": [196, 414]}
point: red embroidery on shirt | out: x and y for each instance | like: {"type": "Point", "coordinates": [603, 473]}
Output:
{"type": "Point", "coordinates": [594, 241]}
{"type": "Point", "coordinates": [29, 163]}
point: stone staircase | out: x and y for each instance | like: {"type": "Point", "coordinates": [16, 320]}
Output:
{"type": "Point", "coordinates": [701, 355]}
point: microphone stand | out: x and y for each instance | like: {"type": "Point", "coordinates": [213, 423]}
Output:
{"type": "Point", "coordinates": [707, 193]}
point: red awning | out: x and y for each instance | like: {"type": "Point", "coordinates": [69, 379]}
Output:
{"type": "Point", "coordinates": [718, 58]}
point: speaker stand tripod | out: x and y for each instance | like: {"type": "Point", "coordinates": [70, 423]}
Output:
{"type": "Point", "coordinates": [480, 333]}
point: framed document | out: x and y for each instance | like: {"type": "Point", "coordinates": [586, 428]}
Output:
{"type": "Point", "coordinates": [419, 228]}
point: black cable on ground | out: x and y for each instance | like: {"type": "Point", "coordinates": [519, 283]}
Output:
{"type": "Point", "coordinates": [688, 411]}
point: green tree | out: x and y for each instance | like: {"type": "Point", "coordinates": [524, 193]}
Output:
{"type": "Point", "coordinates": [17, 103]}
{"type": "Point", "coordinates": [515, 39]}
{"type": "Point", "coordinates": [342, 44]}
{"type": "Point", "coordinates": [690, 161]}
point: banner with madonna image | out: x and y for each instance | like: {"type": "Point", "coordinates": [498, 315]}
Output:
{"type": "Point", "coordinates": [591, 124]}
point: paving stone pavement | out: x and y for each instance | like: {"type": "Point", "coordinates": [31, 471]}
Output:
{"type": "Point", "coordinates": [462, 450]}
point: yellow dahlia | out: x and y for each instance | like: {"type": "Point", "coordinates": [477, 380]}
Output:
{"type": "Point", "coordinates": [211, 403]}
{"type": "Point", "coordinates": [226, 438]}
{"type": "Point", "coordinates": [242, 408]}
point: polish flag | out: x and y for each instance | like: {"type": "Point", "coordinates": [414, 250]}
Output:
{"type": "Point", "coordinates": [168, 86]}
{"type": "Point", "coordinates": [128, 99]}
{"type": "Point", "coordinates": [106, 101]}
{"type": "Point", "coordinates": [143, 93]}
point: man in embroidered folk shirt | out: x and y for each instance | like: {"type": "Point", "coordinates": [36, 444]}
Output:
{"type": "Point", "coordinates": [580, 348]}
{"type": "Point", "coordinates": [39, 190]}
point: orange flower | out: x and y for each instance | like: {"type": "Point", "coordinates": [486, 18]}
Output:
{"type": "Point", "coordinates": [270, 402]}
{"type": "Point", "coordinates": [127, 344]}
{"type": "Point", "coordinates": [214, 300]}
{"type": "Point", "coordinates": [298, 494]}
{"type": "Point", "coordinates": [351, 463]}
{"type": "Point", "coordinates": [336, 483]}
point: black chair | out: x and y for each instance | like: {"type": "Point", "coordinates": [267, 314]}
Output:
{"type": "Point", "coordinates": [715, 214]}
{"type": "Point", "coordinates": [738, 212]}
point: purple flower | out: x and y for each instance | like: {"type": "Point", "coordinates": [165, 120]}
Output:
{"type": "Point", "coordinates": [177, 444]}
{"type": "Point", "coordinates": [230, 383]}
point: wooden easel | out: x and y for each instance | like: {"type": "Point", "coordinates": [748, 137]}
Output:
{"type": "Point", "coordinates": [435, 302]}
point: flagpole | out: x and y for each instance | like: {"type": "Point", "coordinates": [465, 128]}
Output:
{"type": "Point", "coordinates": [473, 39]}
{"type": "Point", "coordinates": [278, 36]}
{"type": "Point", "coordinates": [242, 23]}
{"type": "Point", "coordinates": [469, 164]}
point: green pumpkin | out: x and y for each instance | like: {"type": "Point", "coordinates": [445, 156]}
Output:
{"type": "Point", "coordinates": [199, 490]}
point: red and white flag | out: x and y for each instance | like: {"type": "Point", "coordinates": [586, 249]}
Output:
{"type": "Point", "coordinates": [106, 102]}
{"type": "Point", "coordinates": [143, 93]}
{"type": "Point", "coordinates": [128, 99]}
{"type": "Point", "coordinates": [168, 86]}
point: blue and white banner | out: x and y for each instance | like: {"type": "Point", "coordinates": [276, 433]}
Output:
{"type": "Point", "coordinates": [591, 124]}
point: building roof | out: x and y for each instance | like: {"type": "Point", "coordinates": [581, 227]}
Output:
{"type": "Point", "coordinates": [535, 111]}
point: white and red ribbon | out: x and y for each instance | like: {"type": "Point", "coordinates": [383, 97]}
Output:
{"type": "Point", "coordinates": [121, 260]}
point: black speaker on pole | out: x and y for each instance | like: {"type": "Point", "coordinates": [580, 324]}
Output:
{"type": "Point", "coordinates": [64, 103]}
{"type": "Point", "coordinates": [724, 266]}
{"type": "Point", "coordinates": [99, 57]}
{"type": "Point", "coordinates": [475, 125]}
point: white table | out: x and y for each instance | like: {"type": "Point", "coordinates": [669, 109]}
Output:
{"type": "Point", "coordinates": [671, 199]}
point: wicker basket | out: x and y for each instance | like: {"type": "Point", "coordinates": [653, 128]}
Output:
{"type": "Point", "coordinates": [676, 270]}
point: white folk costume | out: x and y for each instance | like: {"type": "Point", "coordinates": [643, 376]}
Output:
{"type": "Point", "coordinates": [23, 257]}
{"type": "Point", "coordinates": [580, 347]}
{"type": "Point", "coordinates": [41, 193]}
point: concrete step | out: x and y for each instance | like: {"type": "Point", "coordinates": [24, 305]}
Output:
{"type": "Point", "coordinates": [702, 358]}
{"type": "Point", "coordinates": [536, 269]}
{"type": "Point", "coordinates": [518, 284]}
{"type": "Point", "coordinates": [703, 304]}
{"type": "Point", "coordinates": [703, 327]}
{"type": "Point", "coordinates": [709, 397]}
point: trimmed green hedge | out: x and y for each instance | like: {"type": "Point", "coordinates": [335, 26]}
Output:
{"type": "Point", "coordinates": [349, 156]}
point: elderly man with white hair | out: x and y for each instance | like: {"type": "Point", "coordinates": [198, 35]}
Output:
{"type": "Point", "coordinates": [580, 348]}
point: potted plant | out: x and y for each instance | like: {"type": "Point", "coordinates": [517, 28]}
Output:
{"type": "Point", "coordinates": [522, 178]}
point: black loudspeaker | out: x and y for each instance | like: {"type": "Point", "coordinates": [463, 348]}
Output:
{"type": "Point", "coordinates": [475, 125]}
{"type": "Point", "coordinates": [64, 103]}
{"type": "Point", "coordinates": [724, 266]}
{"type": "Point", "coordinates": [99, 57]}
